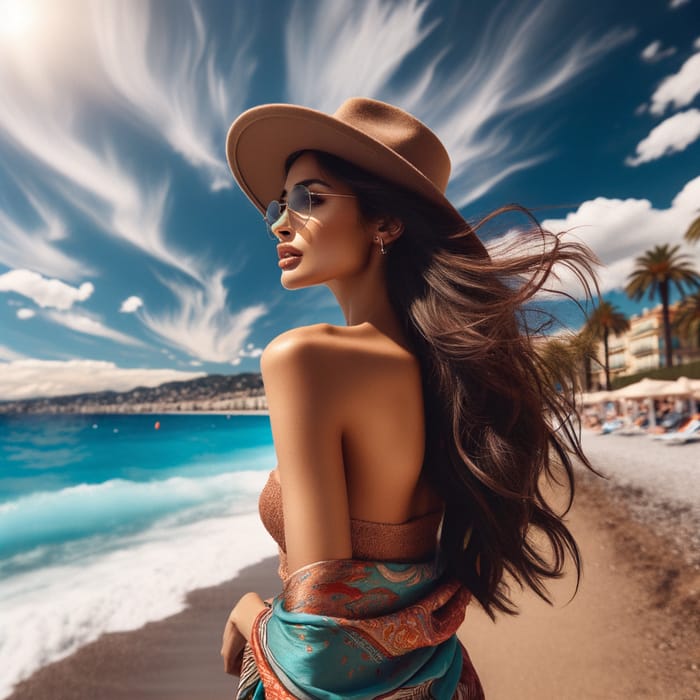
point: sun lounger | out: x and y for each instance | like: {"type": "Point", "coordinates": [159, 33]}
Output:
{"type": "Point", "coordinates": [689, 433]}
{"type": "Point", "coordinates": [631, 430]}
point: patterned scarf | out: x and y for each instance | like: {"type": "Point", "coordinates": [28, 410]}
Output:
{"type": "Point", "coordinates": [350, 629]}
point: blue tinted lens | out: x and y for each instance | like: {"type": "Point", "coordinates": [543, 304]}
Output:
{"type": "Point", "coordinates": [299, 201]}
{"type": "Point", "coordinates": [273, 213]}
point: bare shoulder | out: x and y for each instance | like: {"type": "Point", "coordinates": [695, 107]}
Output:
{"type": "Point", "coordinates": [343, 354]}
{"type": "Point", "coordinates": [297, 345]}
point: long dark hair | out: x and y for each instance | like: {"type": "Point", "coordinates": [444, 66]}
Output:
{"type": "Point", "coordinates": [498, 434]}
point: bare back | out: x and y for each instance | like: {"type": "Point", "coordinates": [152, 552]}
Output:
{"type": "Point", "coordinates": [384, 434]}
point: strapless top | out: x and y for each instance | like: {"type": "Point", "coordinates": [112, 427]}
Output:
{"type": "Point", "coordinates": [413, 540]}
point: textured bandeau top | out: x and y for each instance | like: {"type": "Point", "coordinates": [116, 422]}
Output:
{"type": "Point", "coordinates": [413, 540]}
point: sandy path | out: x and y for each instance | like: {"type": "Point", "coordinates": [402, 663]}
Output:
{"type": "Point", "coordinates": [632, 631]}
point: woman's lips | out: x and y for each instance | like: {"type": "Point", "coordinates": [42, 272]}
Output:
{"type": "Point", "coordinates": [290, 262]}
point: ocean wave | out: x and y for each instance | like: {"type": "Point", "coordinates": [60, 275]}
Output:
{"type": "Point", "coordinates": [49, 613]}
{"type": "Point", "coordinates": [49, 521]}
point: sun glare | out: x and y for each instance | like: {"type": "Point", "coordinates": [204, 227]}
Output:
{"type": "Point", "coordinates": [16, 17]}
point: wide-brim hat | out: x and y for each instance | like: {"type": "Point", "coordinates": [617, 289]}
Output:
{"type": "Point", "coordinates": [375, 136]}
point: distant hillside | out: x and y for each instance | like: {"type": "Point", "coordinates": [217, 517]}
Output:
{"type": "Point", "coordinates": [215, 392]}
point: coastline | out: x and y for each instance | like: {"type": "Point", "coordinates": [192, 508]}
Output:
{"type": "Point", "coordinates": [633, 629]}
{"type": "Point", "coordinates": [175, 658]}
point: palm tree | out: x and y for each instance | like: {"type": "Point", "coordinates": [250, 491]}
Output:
{"type": "Point", "coordinates": [557, 363]}
{"type": "Point", "coordinates": [601, 322]}
{"type": "Point", "coordinates": [687, 321]}
{"type": "Point", "coordinates": [692, 235]}
{"type": "Point", "coordinates": [655, 272]}
{"type": "Point", "coordinates": [584, 346]}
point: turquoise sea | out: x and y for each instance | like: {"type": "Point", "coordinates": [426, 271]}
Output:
{"type": "Point", "coordinates": [107, 521]}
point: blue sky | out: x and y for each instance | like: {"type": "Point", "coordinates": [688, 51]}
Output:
{"type": "Point", "coordinates": [129, 257]}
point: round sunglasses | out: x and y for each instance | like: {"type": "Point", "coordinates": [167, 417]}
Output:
{"type": "Point", "coordinates": [300, 201]}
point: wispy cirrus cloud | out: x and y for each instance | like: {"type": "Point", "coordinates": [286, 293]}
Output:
{"type": "Point", "coordinates": [471, 100]}
{"type": "Point", "coordinates": [167, 81]}
{"type": "Point", "coordinates": [654, 52]}
{"type": "Point", "coordinates": [35, 245]}
{"type": "Point", "coordinates": [38, 120]}
{"type": "Point", "coordinates": [167, 75]}
{"type": "Point", "coordinates": [202, 325]}
{"type": "Point", "coordinates": [90, 324]}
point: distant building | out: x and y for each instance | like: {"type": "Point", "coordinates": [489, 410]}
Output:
{"type": "Point", "coordinates": [641, 348]}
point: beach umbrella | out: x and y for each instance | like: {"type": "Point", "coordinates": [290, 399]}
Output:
{"type": "Point", "coordinates": [594, 397]}
{"type": "Point", "coordinates": [695, 383]}
{"type": "Point", "coordinates": [681, 387]}
{"type": "Point", "coordinates": [643, 389]}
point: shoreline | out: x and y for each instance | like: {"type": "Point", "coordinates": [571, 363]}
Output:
{"type": "Point", "coordinates": [633, 629]}
{"type": "Point", "coordinates": [175, 658]}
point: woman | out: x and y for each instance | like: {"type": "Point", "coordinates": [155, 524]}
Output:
{"type": "Point", "coordinates": [412, 441]}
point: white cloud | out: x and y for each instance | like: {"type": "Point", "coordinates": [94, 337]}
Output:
{"type": "Point", "coordinates": [89, 325]}
{"type": "Point", "coordinates": [195, 363]}
{"type": "Point", "coordinates": [696, 44]}
{"type": "Point", "coordinates": [166, 81]}
{"type": "Point", "coordinates": [8, 355]}
{"type": "Point", "coordinates": [47, 293]}
{"type": "Point", "coordinates": [653, 52]}
{"type": "Point", "coordinates": [619, 231]}
{"type": "Point", "coordinates": [674, 4]}
{"type": "Point", "coordinates": [166, 74]}
{"type": "Point", "coordinates": [338, 50]}
{"type": "Point", "coordinates": [92, 179]}
{"type": "Point", "coordinates": [33, 245]}
{"type": "Point", "coordinates": [131, 304]}
{"type": "Point", "coordinates": [679, 89]}
{"type": "Point", "coordinates": [641, 109]}
{"type": "Point", "coordinates": [250, 351]}
{"type": "Point", "coordinates": [202, 325]}
{"type": "Point", "coordinates": [673, 135]}
{"type": "Point", "coordinates": [24, 314]}
{"type": "Point", "coordinates": [31, 378]}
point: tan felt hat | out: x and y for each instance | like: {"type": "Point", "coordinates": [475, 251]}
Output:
{"type": "Point", "coordinates": [373, 135]}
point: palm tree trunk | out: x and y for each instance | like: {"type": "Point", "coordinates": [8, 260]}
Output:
{"type": "Point", "coordinates": [607, 362]}
{"type": "Point", "coordinates": [663, 293]}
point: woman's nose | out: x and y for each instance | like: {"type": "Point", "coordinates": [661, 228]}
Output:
{"type": "Point", "coordinates": [282, 227]}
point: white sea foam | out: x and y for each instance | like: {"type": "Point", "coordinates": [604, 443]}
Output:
{"type": "Point", "coordinates": [50, 612]}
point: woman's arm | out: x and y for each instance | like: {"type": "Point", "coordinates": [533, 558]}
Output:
{"type": "Point", "coordinates": [304, 383]}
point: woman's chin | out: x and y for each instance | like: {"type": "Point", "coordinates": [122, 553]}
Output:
{"type": "Point", "coordinates": [291, 281]}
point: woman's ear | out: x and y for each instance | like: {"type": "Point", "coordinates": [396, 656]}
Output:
{"type": "Point", "coordinates": [390, 227]}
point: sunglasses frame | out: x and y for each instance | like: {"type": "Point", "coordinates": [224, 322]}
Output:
{"type": "Point", "coordinates": [283, 206]}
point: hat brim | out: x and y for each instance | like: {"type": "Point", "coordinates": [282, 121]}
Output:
{"type": "Point", "coordinates": [262, 138]}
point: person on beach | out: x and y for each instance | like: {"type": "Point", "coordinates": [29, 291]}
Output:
{"type": "Point", "coordinates": [415, 443]}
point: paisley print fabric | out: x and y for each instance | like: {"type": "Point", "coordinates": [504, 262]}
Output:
{"type": "Point", "coordinates": [355, 629]}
